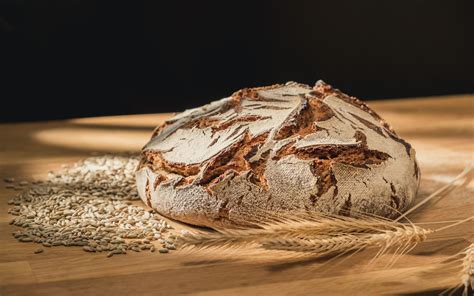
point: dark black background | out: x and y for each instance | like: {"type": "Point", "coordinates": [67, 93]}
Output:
{"type": "Point", "coordinates": [62, 59]}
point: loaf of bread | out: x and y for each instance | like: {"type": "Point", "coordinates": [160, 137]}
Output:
{"type": "Point", "coordinates": [280, 149]}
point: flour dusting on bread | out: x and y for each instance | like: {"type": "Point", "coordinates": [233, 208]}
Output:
{"type": "Point", "coordinates": [282, 148]}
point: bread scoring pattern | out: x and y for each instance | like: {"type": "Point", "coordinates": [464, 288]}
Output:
{"type": "Point", "coordinates": [283, 148]}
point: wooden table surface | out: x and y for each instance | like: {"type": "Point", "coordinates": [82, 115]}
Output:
{"type": "Point", "coordinates": [441, 130]}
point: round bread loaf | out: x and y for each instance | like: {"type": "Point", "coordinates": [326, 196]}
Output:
{"type": "Point", "coordinates": [281, 149]}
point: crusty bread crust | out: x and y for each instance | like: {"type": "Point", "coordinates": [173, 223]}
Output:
{"type": "Point", "coordinates": [278, 149]}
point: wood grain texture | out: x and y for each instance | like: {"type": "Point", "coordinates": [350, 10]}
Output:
{"type": "Point", "coordinates": [440, 129]}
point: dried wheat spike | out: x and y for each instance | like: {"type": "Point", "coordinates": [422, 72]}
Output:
{"type": "Point", "coordinates": [403, 238]}
{"type": "Point", "coordinates": [467, 277]}
{"type": "Point", "coordinates": [466, 259]}
{"type": "Point", "coordinates": [310, 226]}
{"type": "Point", "coordinates": [319, 234]}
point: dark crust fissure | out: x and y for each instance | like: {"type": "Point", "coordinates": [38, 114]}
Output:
{"type": "Point", "coordinates": [322, 90]}
{"type": "Point", "coordinates": [160, 179]}
{"type": "Point", "coordinates": [215, 141]}
{"type": "Point", "coordinates": [417, 170]}
{"type": "Point", "coordinates": [394, 137]}
{"type": "Point", "coordinates": [354, 154]}
{"type": "Point", "coordinates": [235, 158]}
{"type": "Point", "coordinates": [258, 169]}
{"type": "Point", "coordinates": [345, 210]}
{"type": "Point", "coordinates": [369, 125]}
{"type": "Point", "coordinates": [326, 179]}
{"type": "Point", "coordinates": [395, 201]}
{"type": "Point", "coordinates": [245, 118]}
{"type": "Point", "coordinates": [270, 107]}
{"type": "Point", "coordinates": [159, 129]}
{"type": "Point", "coordinates": [201, 123]}
{"type": "Point", "coordinates": [313, 199]}
{"type": "Point", "coordinates": [216, 125]}
{"type": "Point", "coordinates": [223, 212]}
{"type": "Point", "coordinates": [324, 156]}
{"type": "Point", "coordinates": [304, 123]}
{"type": "Point", "coordinates": [156, 161]}
{"type": "Point", "coordinates": [148, 193]}
{"type": "Point", "coordinates": [185, 181]}
{"type": "Point", "coordinates": [252, 93]}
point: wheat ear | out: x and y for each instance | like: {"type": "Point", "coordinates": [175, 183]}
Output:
{"type": "Point", "coordinates": [403, 237]}
{"type": "Point", "coordinates": [466, 257]}
{"type": "Point", "coordinates": [316, 225]}
{"type": "Point", "coordinates": [467, 277]}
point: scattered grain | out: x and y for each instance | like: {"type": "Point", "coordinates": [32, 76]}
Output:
{"type": "Point", "coordinates": [163, 250]}
{"type": "Point", "coordinates": [88, 204]}
{"type": "Point", "coordinates": [88, 249]}
{"type": "Point", "coordinates": [8, 179]}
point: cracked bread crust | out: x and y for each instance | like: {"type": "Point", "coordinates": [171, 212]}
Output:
{"type": "Point", "coordinates": [277, 149]}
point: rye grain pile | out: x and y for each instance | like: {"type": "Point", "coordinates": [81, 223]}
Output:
{"type": "Point", "coordinates": [89, 204]}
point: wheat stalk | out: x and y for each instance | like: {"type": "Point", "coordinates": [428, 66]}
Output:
{"type": "Point", "coordinates": [315, 225]}
{"type": "Point", "coordinates": [403, 236]}
{"type": "Point", "coordinates": [321, 246]}
{"type": "Point", "coordinates": [467, 277]}
{"type": "Point", "coordinates": [320, 236]}
{"type": "Point", "coordinates": [466, 259]}
{"type": "Point", "coordinates": [336, 235]}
